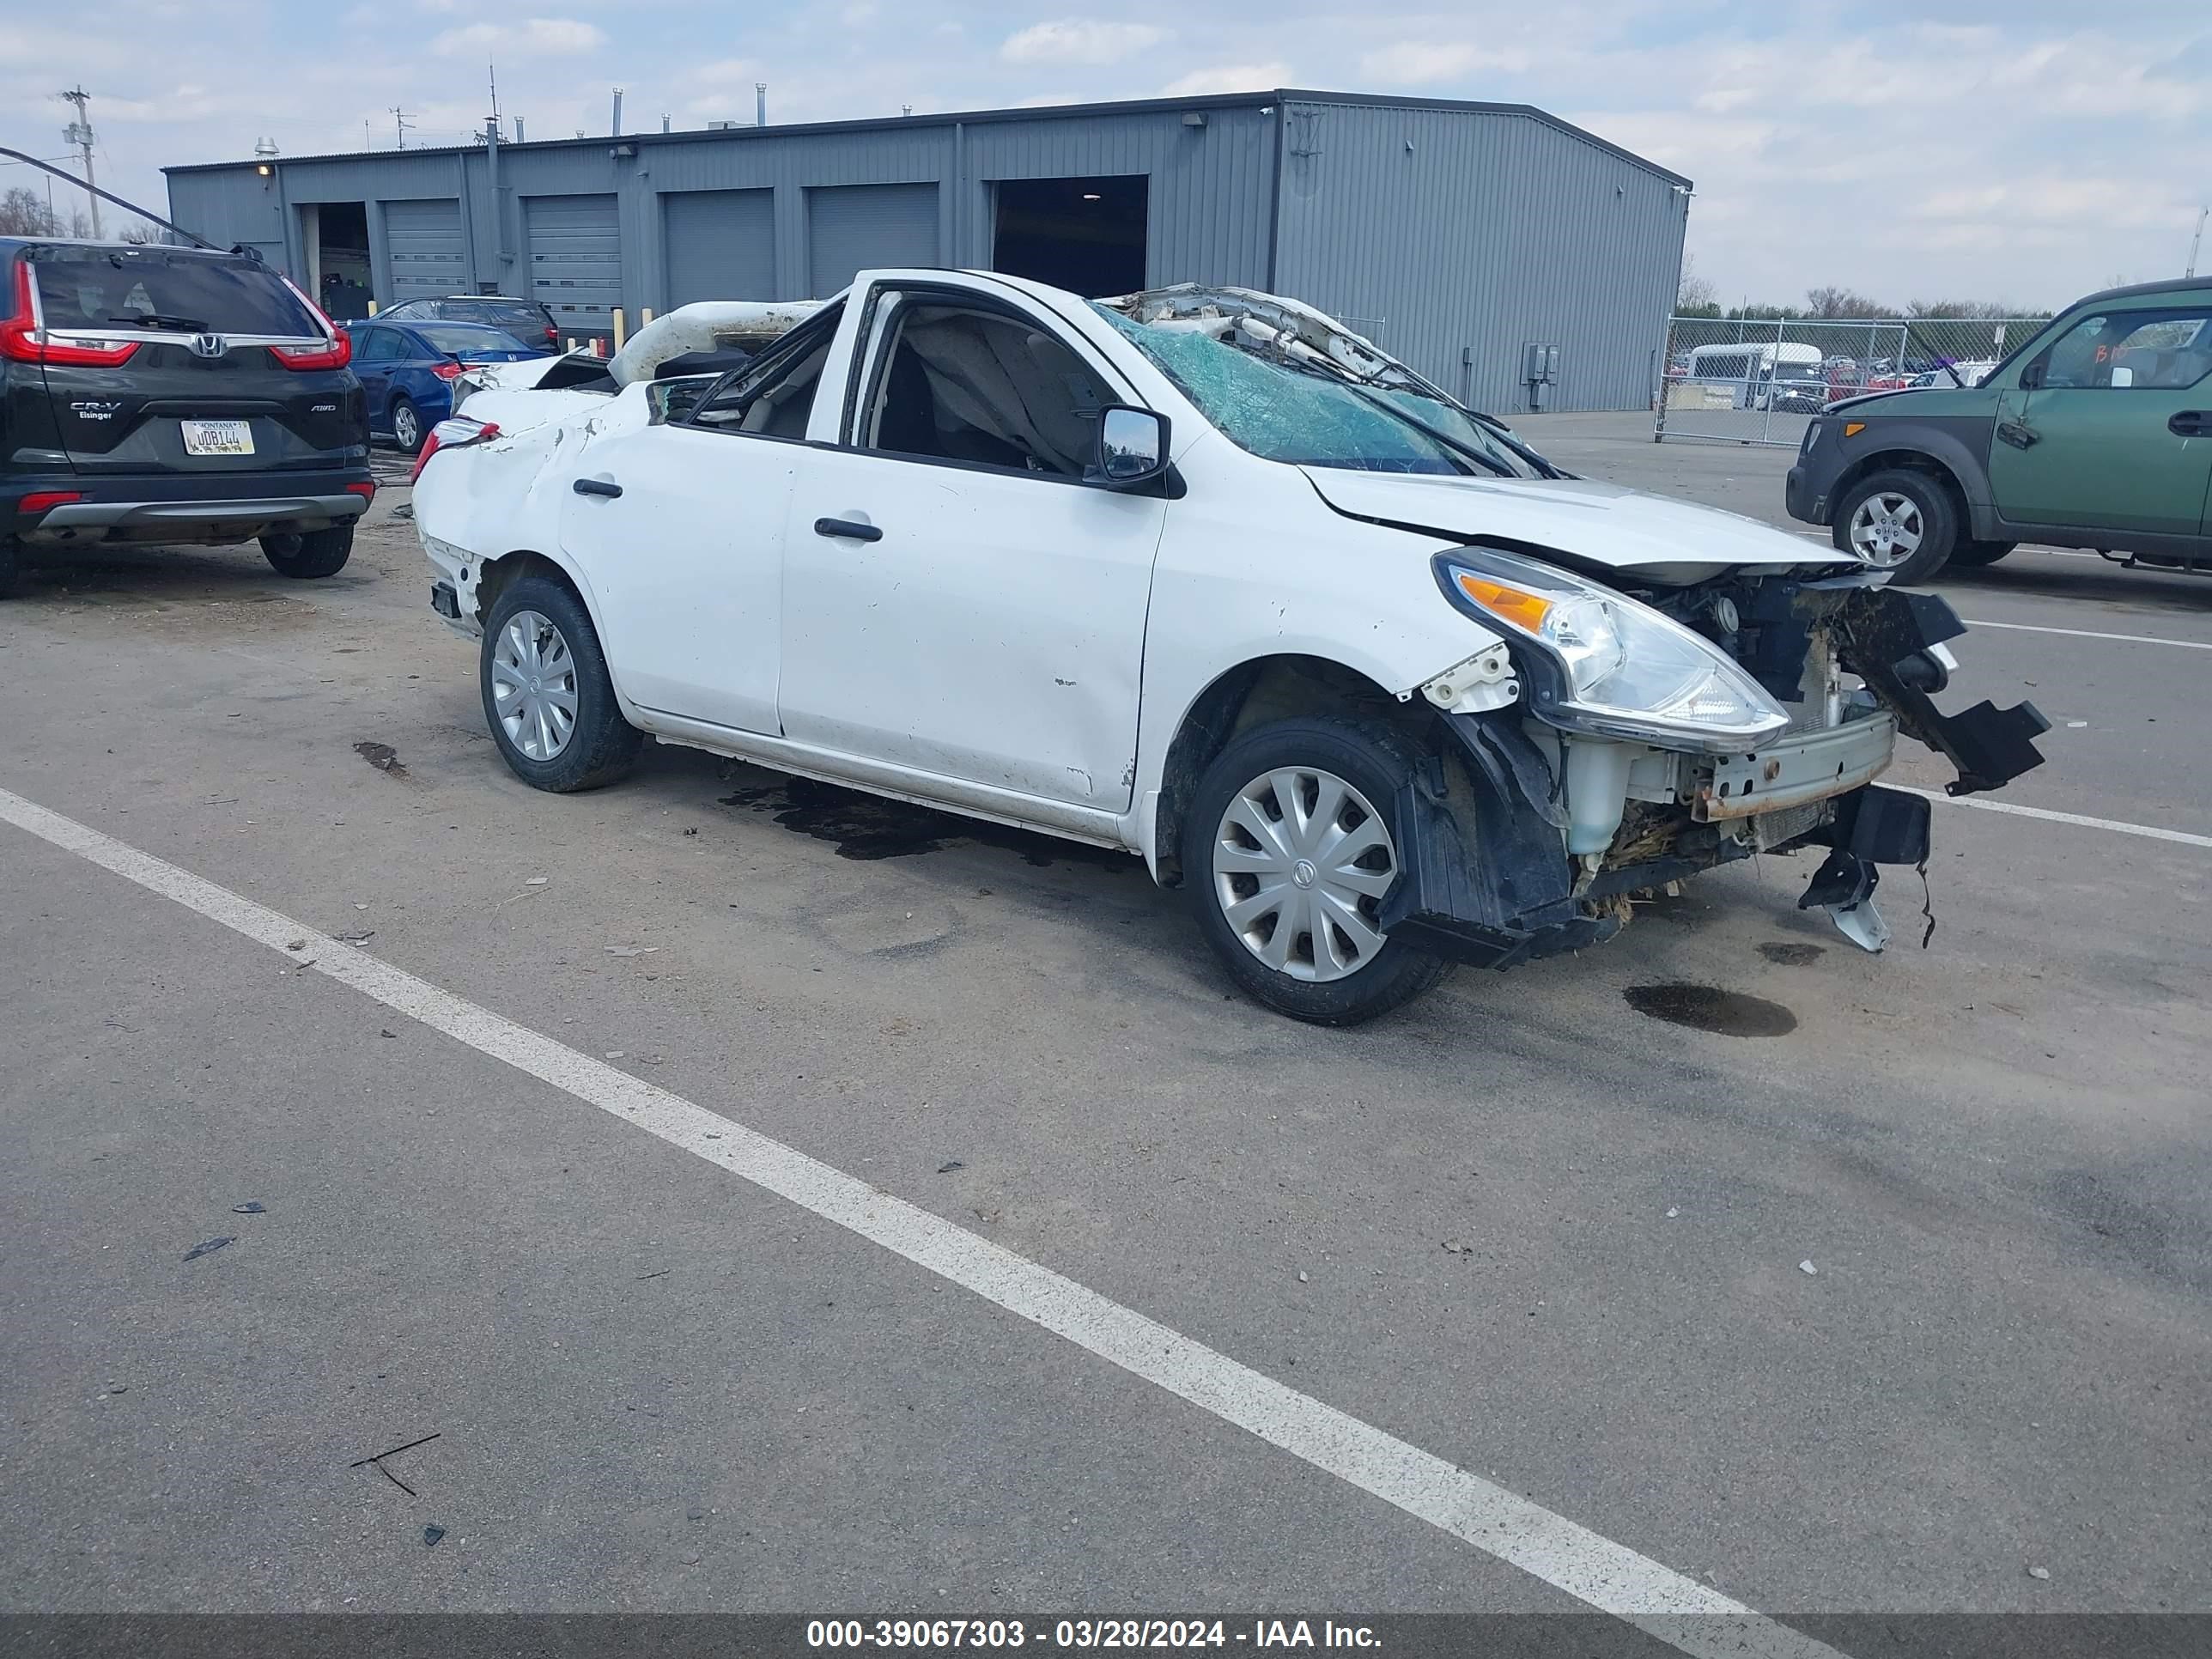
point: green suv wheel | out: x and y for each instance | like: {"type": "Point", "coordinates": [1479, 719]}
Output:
{"type": "Point", "coordinates": [1900, 521]}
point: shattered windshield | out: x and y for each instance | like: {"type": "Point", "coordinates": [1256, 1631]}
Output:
{"type": "Point", "coordinates": [1284, 411]}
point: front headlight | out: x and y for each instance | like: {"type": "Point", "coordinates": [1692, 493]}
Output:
{"type": "Point", "coordinates": [1599, 662]}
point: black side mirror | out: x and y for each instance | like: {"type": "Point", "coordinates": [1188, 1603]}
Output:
{"type": "Point", "coordinates": [1132, 447]}
{"type": "Point", "coordinates": [2032, 376]}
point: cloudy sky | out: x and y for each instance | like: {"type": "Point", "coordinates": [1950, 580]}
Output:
{"type": "Point", "coordinates": [2023, 151]}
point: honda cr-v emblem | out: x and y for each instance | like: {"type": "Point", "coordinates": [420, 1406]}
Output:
{"type": "Point", "coordinates": [208, 345]}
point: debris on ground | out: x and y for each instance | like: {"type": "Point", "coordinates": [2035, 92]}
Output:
{"type": "Point", "coordinates": [1302, 1276]}
{"type": "Point", "coordinates": [376, 1463]}
{"type": "Point", "coordinates": [663, 1273]}
{"type": "Point", "coordinates": [431, 1534]}
{"type": "Point", "coordinates": [631, 949]}
{"type": "Point", "coordinates": [1671, 1214]}
{"type": "Point", "coordinates": [251, 1206]}
{"type": "Point", "coordinates": [2042, 1573]}
{"type": "Point", "coordinates": [1807, 1267]}
{"type": "Point", "coordinates": [208, 1249]}
{"type": "Point", "coordinates": [361, 938]}
{"type": "Point", "coordinates": [613, 1053]}
{"type": "Point", "coordinates": [537, 881]}
{"type": "Point", "coordinates": [297, 945]}
{"type": "Point", "coordinates": [386, 1030]}
{"type": "Point", "coordinates": [383, 757]}
{"type": "Point", "coordinates": [949, 1165]}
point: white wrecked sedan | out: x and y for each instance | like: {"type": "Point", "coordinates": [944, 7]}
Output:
{"type": "Point", "coordinates": [1200, 574]}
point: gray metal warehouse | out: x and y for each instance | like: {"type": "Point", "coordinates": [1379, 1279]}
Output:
{"type": "Point", "coordinates": [1517, 260]}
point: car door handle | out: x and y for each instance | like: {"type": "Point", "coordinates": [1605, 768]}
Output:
{"type": "Point", "coordinates": [605, 487]}
{"type": "Point", "coordinates": [2192, 423]}
{"type": "Point", "coordinates": [852, 528]}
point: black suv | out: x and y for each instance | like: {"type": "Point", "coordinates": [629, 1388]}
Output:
{"type": "Point", "coordinates": [525, 320]}
{"type": "Point", "coordinates": [168, 394]}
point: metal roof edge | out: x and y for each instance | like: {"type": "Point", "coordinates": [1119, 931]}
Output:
{"type": "Point", "coordinates": [746, 134]}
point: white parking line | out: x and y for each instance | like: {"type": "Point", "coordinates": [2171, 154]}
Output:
{"type": "Point", "coordinates": [2148, 831]}
{"type": "Point", "coordinates": [2091, 634]}
{"type": "Point", "coordinates": [1606, 1576]}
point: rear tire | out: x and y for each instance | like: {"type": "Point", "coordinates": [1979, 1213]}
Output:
{"type": "Point", "coordinates": [10, 562]}
{"type": "Point", "coordinates": [1332, 967]}
{"type": "Point", "coordinates": [1899, 520]}
{"type": "Point", "coordinates": [540, 667]}
{"type": "Point", "coordinates": [407, 428]}
{"type": "Point", "coordinates": [1972, 556]}
{"type": "Point", "coordinates": [310, 555]}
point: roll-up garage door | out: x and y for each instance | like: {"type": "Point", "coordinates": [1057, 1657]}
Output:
{"type": "Point", "coordinates": [721, 244]}
{"type": "Point", "coordinates": [424, 241]}
{"type": "Point", "coordinates": [575, 259]}
{"type": "Point", "coordinates": [851, 228]}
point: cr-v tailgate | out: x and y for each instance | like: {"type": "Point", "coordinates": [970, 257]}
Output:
{"type": "Point", "coordinates": [171, 410]}
{"type": "Point", "coordinates": [173, 361]}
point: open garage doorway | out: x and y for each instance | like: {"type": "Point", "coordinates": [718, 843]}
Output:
{"type": "Point", "coordinates": [1084, 234]}
{"type": "Point", "coordinates": [335, 237]}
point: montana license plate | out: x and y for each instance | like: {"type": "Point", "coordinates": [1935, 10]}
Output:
{"type": "Point", "coordinates": [218, 437]}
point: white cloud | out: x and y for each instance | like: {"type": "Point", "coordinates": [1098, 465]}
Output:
{"type": "Point", "coordinates": [1072, 40]}
{"type": "Point", "coordinates": [1228, 77]}
{"type": "Point", "coordinates": [1417, 62]}
{"type": "Point", "coordinates": [533, 37]}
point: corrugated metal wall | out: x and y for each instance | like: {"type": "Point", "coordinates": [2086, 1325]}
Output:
{"type": "Point", "coordinates": [1452, 229]}
{"type": "Point", "coordinates": [1465, 232]}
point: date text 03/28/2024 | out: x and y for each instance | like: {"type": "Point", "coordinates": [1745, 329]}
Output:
{"type": "Point", "coordinates": [1085, 1633]}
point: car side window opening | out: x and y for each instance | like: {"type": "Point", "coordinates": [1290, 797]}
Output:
{"type": "Point", "coordinates": [2138, 350]}
{"type": "Point", "coordinates": [382, 346]}
{"type": "Point", "coordinates": [773, 396]}
{"type": "Point", "coordinates": [975, 385]}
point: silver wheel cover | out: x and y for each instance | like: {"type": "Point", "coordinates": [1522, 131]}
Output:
{"type": "Point", "coordinates": [533, 685]}
{"type": "Point", "coordinates": [406, 426]}
{"type": "Point", "coordinates": [1301, 862]}
{"type": "Point", "coordinates": [1886, 528]}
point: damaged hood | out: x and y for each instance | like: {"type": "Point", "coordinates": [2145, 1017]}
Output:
{"type": "Point", "coordinates": [1601, 526]}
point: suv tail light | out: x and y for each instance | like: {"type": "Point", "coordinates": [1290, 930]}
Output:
{"type": "Point", "coordinates": [456, 432]}
{"type": "Point", "coordinates": [21, 339]}
{"type": "Point", "coordinates": [552, 335]}
{"type": "Point", "coordinates": [335, 352]}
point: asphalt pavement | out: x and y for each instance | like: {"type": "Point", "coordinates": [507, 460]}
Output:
{"type": "Point", "coordinates": [1556, 1244]}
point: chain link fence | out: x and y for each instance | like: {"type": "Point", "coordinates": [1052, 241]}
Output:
{"type": "Point", "coordinates": [1748, 382]}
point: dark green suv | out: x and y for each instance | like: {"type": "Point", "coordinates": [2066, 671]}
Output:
{"type": "Point", "coordinates": [2097, 433]}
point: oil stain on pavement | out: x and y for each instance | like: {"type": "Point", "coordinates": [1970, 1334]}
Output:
{"type": "Point", "coordinates": [1709, 1008]}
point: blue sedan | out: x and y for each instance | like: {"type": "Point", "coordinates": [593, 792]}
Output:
{"type": "Point", "coordinates": [408, 370]}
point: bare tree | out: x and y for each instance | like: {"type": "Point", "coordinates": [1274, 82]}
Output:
{"type": "Point", "coordinates": [24, 212]}
{"type": "Point", "coordinates": [1695, 296]}
{"type": "Point", "coordinates": [1843, 303]}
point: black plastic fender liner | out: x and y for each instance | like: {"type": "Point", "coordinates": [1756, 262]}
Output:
{"type": "Point", "coordinates": [1882, 630]}
{"type": "Point", "coordinates": [1879, 826]}
{"type": "Point", "coordinates": [1507, 897]}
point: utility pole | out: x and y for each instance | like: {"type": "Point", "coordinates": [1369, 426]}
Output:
{"type": "Point", "coordinates": [79, 133]}
{"type": "Point", "coordinates": [2197, 241]}
{"type": "Point", "coordinates": [402, 123]}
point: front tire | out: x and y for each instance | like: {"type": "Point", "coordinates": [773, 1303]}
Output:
{"type": "Point", "coordinates": [407, 428]}
{"type": "Point", "coordinates": [309, 555]}
{"type": "Point", "coordinates": [1901, 521]}
{"type": "Point", "coordinates": [1289, 850]}
{"type": "Point", "coordinates": [547, 696]}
